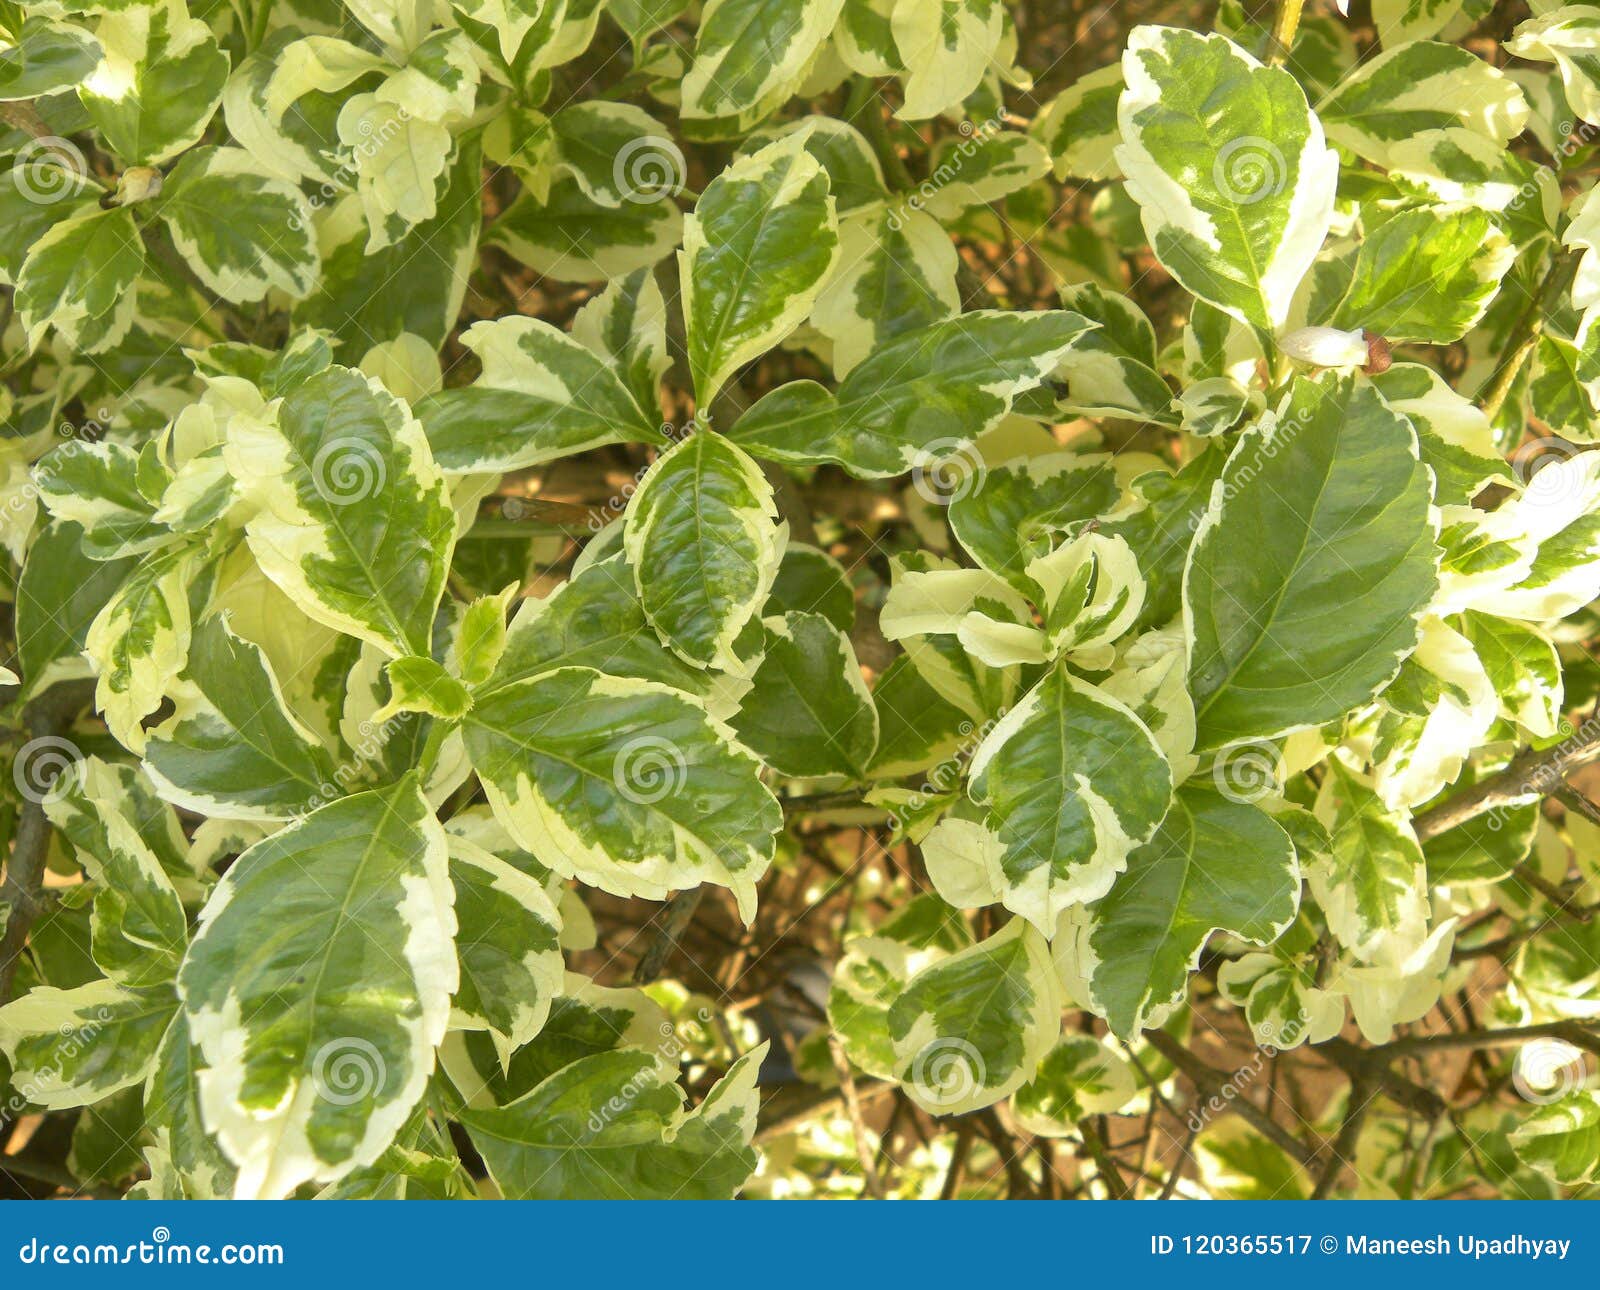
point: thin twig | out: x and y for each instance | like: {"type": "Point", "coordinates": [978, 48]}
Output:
{"type": "Point", "coordinates": [1212, 1083]}
{"type": "Point", "coordinates": [858, 1126]}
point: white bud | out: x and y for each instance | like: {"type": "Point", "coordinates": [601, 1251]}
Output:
{"type": "Point", "coordinates": [1326, 347]}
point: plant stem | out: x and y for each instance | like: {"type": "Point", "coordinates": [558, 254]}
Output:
{"type": "Point", "coordinates": [1530, 775]}
{"type": "Point", "coordinates": [1524, 338]}
{"type": "Point", "coordinates": [1211, 1083]}
{"type": "Point", "coordinates": [1285, 25]}
{"type": "Point", "coordinates": [858, 1125]}
{"type": "Point", "coordinates": [45, 718]}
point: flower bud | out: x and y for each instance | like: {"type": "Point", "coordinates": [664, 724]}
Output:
{"type": "Point", "coordinates": [1326, 347]}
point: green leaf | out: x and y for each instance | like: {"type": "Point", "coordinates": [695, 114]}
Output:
{"type": "Point", "coordinates": [1454, 437]}
{"type": "Point", "coordinates": [1526, 670]}
{"type": "Point", "coordinates": [318, 1040]}
{"type": "Point", "coordinates": [756, 251]}
{"type": "Point", "coordinates": [98, 485]}
{"type": "Point", "coordinates": [1112, 371]}
{"type": "Point", "coordinates": [1562, 1139]}
{"type": "Point", "coordinates": [1079, 126]}
{"type": "Point", "coordinates": [896, 272]}
{"type": "Point", "coordinates": [59, 594]}
{"type": "Point", "coordinates": [1071, 782]}
{"type": "Point", "coordinates": [231, 747]}
{"type": "Point", "coordinates": [45, 56]}
{"type": "Point", "coordinates": [1079, 1077]}
{"type": "Point", "coordinates": [752, 55]}
{"type": "Point", "coordinates": [610, 1127]}
{"type": "Point", "coordinates": [573, 238]}
{"type": "Point", "coordinates": [139, 929]}
{"type": "Point", "coordinates": [242, 231]}
{"type": "Point", "coordinates": [75, 1047]}
{"type": "Point", "coordinates": [421, 685]}
{"type": "Point", "coordinates": [352, 518]}
{"type": "Point", "coordinates": [1322, 506]}
{"type": "Point", "coordinates": [810, 581]}
{"type": "Point", "coordinates": [78, 278]}
{"type": "Point", "coordinates": [809, 713]}
{"type": "Point", "coordinates": [508, 944]}
{"type": "Point", "coordinates": [542, 395]}
{"type": "Point", "coordinates": [1230, 169]}
{"type": "Point", "coordinates": [1018, 510]}
{"type": "Point", "coordinates": [1423, 85]}
{"type": "Point", "coordinates": [595, 619]}
{"type": "Point", "coordinates": [172, 1109]}
{"type": "Point", "coordinates": [970, 1029]}
{"type": "Point", "coordinates": [415, 284]}
{"type": "Point", "coordinates": [1372, 886]}
{"type": "Point", "coordinates": [702, 536]}
{"type": "Point", "coordinates": [1426, 275]}
{"type": "Point", "coordinates": [1214, 865]}
{"type": "Point", "coordinates": [139, 641]}
{"type": "Point", "coordinates": [624, 784]}
{"type": "Point", "coordinates": [626, 325]}
{"type": "Point", "coordinates": [924, 396]}
{"type": "Point", "coordinates": [946, 48]}
{"type": "Point", "coordinates": [158, 83]}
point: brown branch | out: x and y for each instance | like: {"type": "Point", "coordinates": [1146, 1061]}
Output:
{"type": "Point", "coordinates": [858, 1125]}
{"type": "Point", "coordinates": [675, 921]}
{"type": "Point", "coordinates": [1571, 1032]}
{"type": "Point", "coordinates": [1531, 775]}
{"type": "Point", "coordinates": [1104, 1163]}
{"type": "Point", "coordinates": [1212, 1083]}
{"type": "Point", "coordinates": [23, 889]}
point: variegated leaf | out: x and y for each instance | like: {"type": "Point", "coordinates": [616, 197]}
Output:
{"type": "Point", "coordinates": [1228, 163]}
{"type": "Point", "coordinates": [702, 537]}
{"type": "Point", "coordinates": [317, 1041]}
{"type": "Point", "coordinates": [351, 520]}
